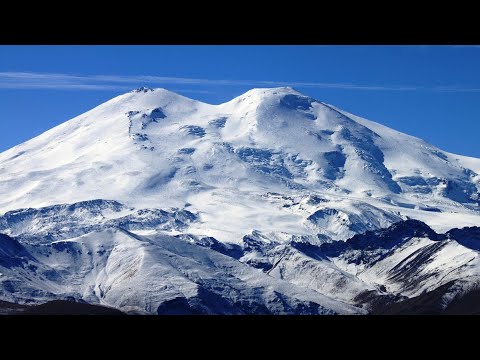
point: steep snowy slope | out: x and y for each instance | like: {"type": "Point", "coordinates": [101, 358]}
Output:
{"type": "Point", "coordinates": [252, 163]}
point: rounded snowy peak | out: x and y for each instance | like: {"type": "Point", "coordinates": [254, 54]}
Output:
{"type": "Point", "coordinates": [261, 93]}
{"type": "Point", "coordinates": [158, 93]}
{"type": "Point", "coordinates": [272, 91]}
{"type": "Point", "coordinates": [142, 99]}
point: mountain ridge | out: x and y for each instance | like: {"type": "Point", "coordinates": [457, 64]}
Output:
{"type": "Point", "coordinates": [270, 203]}
{"type": "Point", "coordinates": [148, 147]}
{"type": "Point", "coordinates": [373, 272]}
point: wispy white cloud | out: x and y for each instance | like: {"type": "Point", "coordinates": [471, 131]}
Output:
{"type": "Point", "coordinates": [50, 86]}
{"type": "Point", "coordinates": [34, 80]}
{"type": "Point", "coordinates": [461, 46]}
{"type": "Point", "coordinates": [454, 89]}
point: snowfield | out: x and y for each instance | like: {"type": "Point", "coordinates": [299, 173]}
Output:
{"type": "Point", "coordinates": [156, 203]}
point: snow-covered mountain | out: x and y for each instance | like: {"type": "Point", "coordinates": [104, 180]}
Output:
{"type": "Point", "coordinates": [156, 149]}
{"type": "Point", "coordinates": [153, 201]}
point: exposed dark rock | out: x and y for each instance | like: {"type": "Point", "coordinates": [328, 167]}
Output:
{"type": "Point", "coordinates": [433, 303]}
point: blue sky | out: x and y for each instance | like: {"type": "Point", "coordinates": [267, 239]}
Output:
{"type": "Point", "coordinates": [432, 92]}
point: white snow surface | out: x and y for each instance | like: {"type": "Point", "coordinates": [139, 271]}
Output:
{"type": "Point", "coordinates": [152, 148]}
{"type": "Point", "coordinates": [140, 182]}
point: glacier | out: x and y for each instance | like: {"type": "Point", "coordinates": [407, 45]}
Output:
{"type": "Point", "coordinates": [156, 203]}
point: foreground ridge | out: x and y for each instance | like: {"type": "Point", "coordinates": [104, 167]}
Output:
{"type": "Point", "coordinates": [381, 271]}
